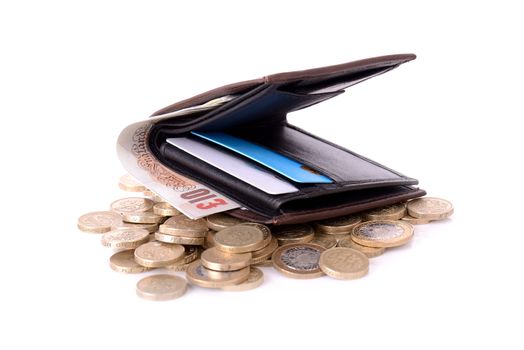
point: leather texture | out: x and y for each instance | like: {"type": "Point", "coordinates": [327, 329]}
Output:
{"type": "Point", "coordinates": [258, 113]}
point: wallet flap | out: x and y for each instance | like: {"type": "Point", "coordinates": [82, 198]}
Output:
{"type": "Point", "coordinates": [335, 78]}
{"type": "Point", "coordinates": [338, 77]}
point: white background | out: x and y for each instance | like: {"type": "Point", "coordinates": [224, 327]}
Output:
{"type": "Point", "coordinates": [73, 74]}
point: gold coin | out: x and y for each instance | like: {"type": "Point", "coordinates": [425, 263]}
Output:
{"type": "Point", "coordinates": [265, 253]}
{"type": "Point", "coordinates": [390, 212]}
{"type": "Point", "coordinates": [340, 236]}
{"type": "Point", "coordinates": [210, 239]}
{"type": "Point", "coordinates": [124, 261]}
{"type": "Point", "coordinates": [415, 221]}
{"type": "Point", "coordinates": [158, 254]}
{"type": "Point", "coordinates": [151, 228]}
{"type": "Point", "coordinates": [298, 233]}
{"type": "Point", "coordinates": [161, 287]}
{"type": "Point", "coordinates": [165, 209]}
{"type": "Point", "coordinates": [215, 259]}
{"type": "Point", "coordinates": [343, 224]}
{"type": "Point", "coordinates": [181, 225]}
{"type": "Point", "coordinates": [166, 238]}
{"type": "Point", "coordinates": [153, 196]}
{"type": "Point", "coordinates": [344, 263]}
{"type": "Point", "coordinates": [146, 217]}
{"type": "Point", "coordinates": [125, 238]}
{"type": "Point", "coordinates": [198, 275]}
{"type": "Point", "coordinates": [430, 208]}
{"type": "Point", "coordinates": [326, 241]}
{"type": "Point", "coordinates": [382, 233]}
{"type": "Point", "coordinates": [266, 232]}
{"type": "Point", "coordinates": [254, 280]}
{"type": "Point", "coordinates": [370, 252]}
{"type": "Point", "coordinates": [221, 221]}
{"type": "Point", "coordinates": [178, 267]}
{"type": "Point", "coordinates": [131, 205]}
{"type": "Point", "coordinates": [129, 183]}
{"type": "Point", "coordinates": [264, 263]}
{"type": "Point", "coordinates": [240, 238]}
{"type": "Point", "coordinates": [298, 260]}
{"type": "Point", "coordinates": [190, 255]}
{"type": "Point", "coordinates": [99, 221]}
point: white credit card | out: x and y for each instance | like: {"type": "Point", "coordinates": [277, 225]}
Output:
{"type": "Point", "coordinates": [240, 168]}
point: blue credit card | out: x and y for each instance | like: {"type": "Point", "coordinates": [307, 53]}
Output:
{"type": "Point", "coordinates": [282, 165]}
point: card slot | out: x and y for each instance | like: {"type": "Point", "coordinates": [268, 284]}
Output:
{"type": "Point", "coordinates": [233, 164]}
{"type": "Point", "coordinates": [309, 196]}
{"type": "Point", "coordinates": [287, 167]}
{"type": "Point", "coordinates": [345, 167]}
{"type": "Point", "coordinates": [202, 172]}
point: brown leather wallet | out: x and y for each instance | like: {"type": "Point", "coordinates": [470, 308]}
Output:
{"type": "Point", "coordinates": [257, 112]}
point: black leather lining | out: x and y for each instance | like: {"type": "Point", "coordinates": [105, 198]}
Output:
{"type": "Point", "coordinates": [341, 165]}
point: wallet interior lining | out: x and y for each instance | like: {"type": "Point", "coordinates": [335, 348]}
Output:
{"type": "Point", "coordinates": [341, 165]}
{"type": "Point", "coordinates": [260, 117]}
{"type": "Point", "coordinates": [263, 105]}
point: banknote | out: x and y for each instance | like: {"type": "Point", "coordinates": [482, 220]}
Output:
{"type": "Point", "coordinates": [190, 197]}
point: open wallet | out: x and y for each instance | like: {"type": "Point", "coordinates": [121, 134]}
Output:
{"type": "Point", "coordinates": [236, 141]}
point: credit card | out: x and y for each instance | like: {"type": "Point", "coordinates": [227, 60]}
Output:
{"type": "Point", "coordinates": [277, 162]}
{"type": "Point", "coordinates": [234, 165]}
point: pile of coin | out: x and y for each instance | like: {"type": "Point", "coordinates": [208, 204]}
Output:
{"type": "Point", "coordinates": [227, 253]}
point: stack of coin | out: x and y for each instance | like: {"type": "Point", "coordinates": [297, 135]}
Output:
{"type": "Point", "coordinates": [136, 212]}
{"type": "Point", "coordinates": [335, 229]}
{"type": "Point", "coordinates": [158, 254]}
{"type": "Point", "coordinates": [128, 183]}
{"type": "Point", "coordinates": [191, 253]}
{"type": "Point", "coordinates": [182, 230]}
{"type": "Point", "coordinates": [224, 252]}
{"type": "Point", "coordinates": [217, 222]}
{"type": "Point", "coordinates": [228, 262]}
{"type": "Point", "coordinates": [220, 221]}
{"type": "Point", "coordinates": [288, 234]}
{"type": "Point", "coordinates": [338, 226]}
